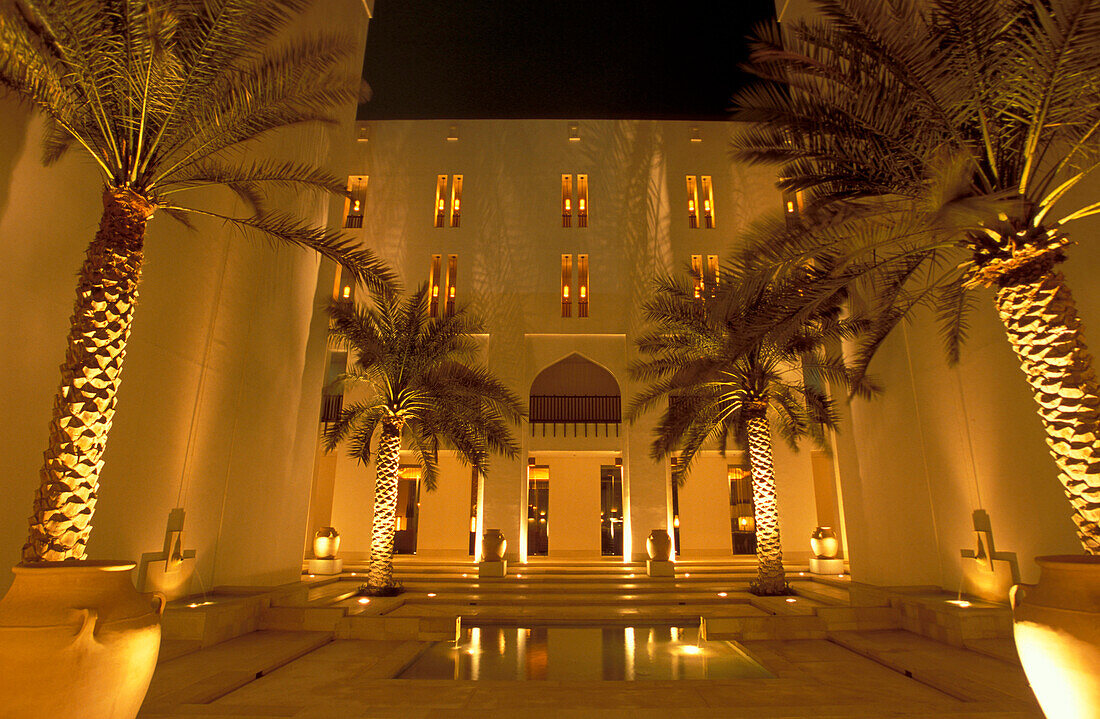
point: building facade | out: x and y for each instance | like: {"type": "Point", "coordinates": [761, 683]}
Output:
{"type": "Point", "coordinates": [553, 232]}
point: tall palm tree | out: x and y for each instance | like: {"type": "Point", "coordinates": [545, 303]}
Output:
{"type": "Point", "coordinates": [424, 389]}
{"type": "Point", "coordinates": [937, 144]}
{"type": "Point", "coordinates": [163, 95]}
{"type": "Point", "coordinates": [717, 389]}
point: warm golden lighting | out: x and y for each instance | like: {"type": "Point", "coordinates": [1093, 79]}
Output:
{"type": "Point", "coordinates": [791, 600]}
{"type": "Point", "coordinates": [451, 292]}
{"type": "Point", "coordinates": [959, 602]}
{"type": "Point", "coordinates": [723, 594]}
{"type": "Point", "coordinates": [431, 594]}
{"type": "Point", "coordinates": [790, 206]}
{"type": "Point", "coordinates": [690, 649]}
{"type": "Point", "coordinates": [435, 291]}
{"type": "Point", "coordinates": [580, 204]}
{"type": "Point", "coordinates": [347, 292]}
{"type": "Point", "coordinates": [568, 204]}
{"type": "Point", "coordinates": [691, 205]}
{"type": "Point", "coordinates": [364, 600]}
{"type": "Point", "coordinates": [583, 293]}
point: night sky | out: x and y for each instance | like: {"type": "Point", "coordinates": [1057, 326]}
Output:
{"type": "Point", "coordinates": [557, 59]}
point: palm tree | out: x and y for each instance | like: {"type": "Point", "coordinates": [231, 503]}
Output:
{"type": "Point", "coordinates": [717, 389]}
{"type": "Point", "coordinates": [163, 96]}
{"type": "Point", "coordinates": [936, 144]}
{"type": "Point", "coordinates": [424, 389]}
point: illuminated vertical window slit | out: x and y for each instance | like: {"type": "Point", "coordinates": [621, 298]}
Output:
{"type": "Point", "coordinates": [693, 203]}
{"type": "Point", "coordinates": [566, 281]}
{"type": "Point", "coordinates": [355, 201]}
{"type": "Point", "coordinates": [440, 199]}
{"type": "Point", "coordinates": [697, 275]}
{"type": "Point", "coordinates": [456, 200]}
{"type": "Point", "coordinates": [712, 274]}
{"type": "Point", "coordinates": [433, 285]}
{"type": "Point", "coordinates": [582, 200]}
{"type": "Point", "coordinates": [452, 282]}
{"type": "Point", "coordinates": [582, 285]}
{"type": "Point", "coordinates": [709, 219]}
{"type": "Point", "coordinates": [566, 200]}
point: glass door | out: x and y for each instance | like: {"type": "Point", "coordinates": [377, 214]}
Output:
{"type": "Point", "coordinates": [538, 511]}
{"type": "Point", "coordinates": [742, 519]}
{"type": "Point", "coordinates": [408, 510]}
{"type": "Point", "coordinates": [611, 511]}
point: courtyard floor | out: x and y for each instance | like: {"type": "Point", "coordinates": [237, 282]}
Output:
{"type": "Point", "coordinates": [840, 650]}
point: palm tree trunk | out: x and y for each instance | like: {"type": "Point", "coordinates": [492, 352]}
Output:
{"type": "Point", "coordinates": [85, 403]}
{"type": "Point", "coordinates": [1040, 317]}
{"type": "Point", "coordinates": [769, 554]}
{"type": "Point", "coordinates": [380, 577]}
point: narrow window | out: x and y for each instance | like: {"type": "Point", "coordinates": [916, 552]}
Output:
{"type": "Point", "coordinates": [697, 275]}
{"type": "Point", "coordinates": [456, 200]}
{"type": "Point", "coordinates": [344, 289]}
{"type": "Point", "coordinates": [440, 199]}
{"type": "Point", "coordinates": [566, 200]}
{"type": "Point", "coordinates": [708, 202]}
{"type": "Point", "coordinates": [712, 274]}
{"type": "Point", "coordinates": [356, 199]}
{"type": "Point", "coordinates": [794, 204]}
{"type": "Point", "coordinates": [566, 280]}
{"type": "Point", "coordinates": [574, 132]}
{"type": "Point", "coordinates": [433, 285]}
{"type": "Point", "coordinates": [582, 200]}
{"type": "Point", "coordinates": [452, 280]}
{"type": "Point", "coordinates": [582, 285]}
{"type": "Point", "coordinates": [693, 203]}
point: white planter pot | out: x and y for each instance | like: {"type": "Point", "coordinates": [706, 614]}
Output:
{"type": "Point", "coordinates": [1056, 624]}
{"type": "Point", "coordinates": [658, 545]}
{"type": "Point", "coordinates": [76, 640]}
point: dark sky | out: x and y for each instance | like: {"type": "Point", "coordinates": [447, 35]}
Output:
{"type": "Point", "coordinates": [556, 59]}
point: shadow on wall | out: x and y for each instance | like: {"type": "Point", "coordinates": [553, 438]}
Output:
{"type": "Point", "coordinates": [12, 141]}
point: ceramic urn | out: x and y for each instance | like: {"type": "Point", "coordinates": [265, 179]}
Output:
{"type": "Point", "coordinates": [326, 543]}
{"type": "Point", "coordinates": [493, 545]}
{"type": "Point", "coordinates": [824, 543]}
{"type": "Point", "coordinates": [659, 545]}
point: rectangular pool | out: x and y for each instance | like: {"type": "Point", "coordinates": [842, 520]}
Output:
{"type": "Point", "coordinates": [584, 653]}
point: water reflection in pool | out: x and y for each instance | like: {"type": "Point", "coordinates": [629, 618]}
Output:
{"type": "Point", "coordinates": [579, 653]}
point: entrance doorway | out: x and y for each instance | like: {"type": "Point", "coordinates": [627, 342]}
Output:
{"type": "Point", "coordinates": [742, 517]}
{"type": "Point", "coordinates": [408, 510]}
{"type": "Point", "coordinates": [611, 510]}
{"type": "Point", "coordinates": [538, 510]}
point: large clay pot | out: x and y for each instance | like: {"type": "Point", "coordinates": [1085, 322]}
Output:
{"type": "Point", "coordinates": [493, 545]}
{"type": "Point", "coordinates": [326, 543]}
{"type": "Point", "coordinates": [1057, 630]}
{"type": "Point", "coordinates": [76, 640]}
{"type": "Point", "coordinates": [824, 544]}
{"type": "Point", "coordinates": [659, 545]}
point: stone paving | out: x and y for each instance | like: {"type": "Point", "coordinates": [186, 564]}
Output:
{"type": "Point", "coordinates": [297, 665]}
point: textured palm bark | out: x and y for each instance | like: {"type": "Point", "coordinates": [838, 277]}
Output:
{"type": "Point", "coordinates": [1041, 320]}
{"type": "Point", "coordinates": [85, 403]}
{"type": "Point", "coordinates": [769, 554]}
{"type": "Point", "coordinates": [380, 577]}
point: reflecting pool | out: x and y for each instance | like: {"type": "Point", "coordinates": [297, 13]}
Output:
{"type": "Point", "coordinates": [579, 653]}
